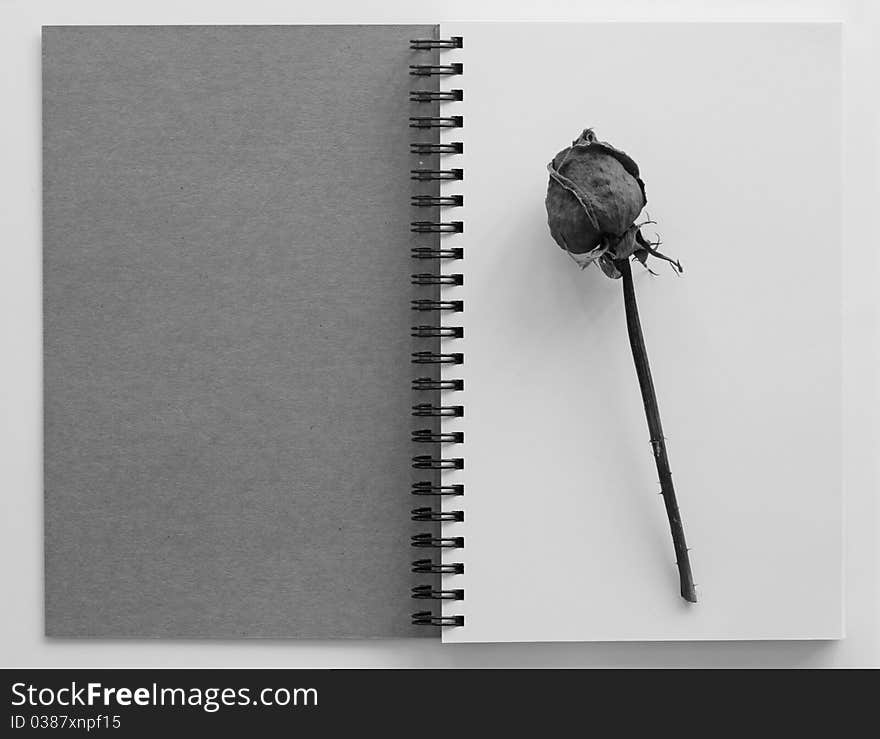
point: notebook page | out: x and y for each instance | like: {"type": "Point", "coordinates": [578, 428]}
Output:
{"type": "Point", "coordinates": [736, 129]}
{"type": "Point", "coordinates": [227, 333]}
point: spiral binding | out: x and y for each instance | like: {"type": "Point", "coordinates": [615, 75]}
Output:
{"type": "Point", "coordinates": [429, 383]}
{"type": "Point", "coordinates": [436, 174]}
{"type": "Point", "coordinates": [426, 357]}
{"type": "Point", "coordinates": [448, 227]}
{"type": "Point", "coordinates": [435, 462]}
{"type": "Point", "coordinates": [456, 306]}
{"type": "Point", "coordinates": [429, 514]}
{"type": "Point", "coordinates": [433, 278]}
{"type": "Point", "coordinates": [430, 567]}
{"type": "Point", "coordinates": [425, 487]}
{"type": "Point", "coordinates": [424, 410]}
{"type": "Point", "coordinates": [442, 332]}
{"type": "Point", "coordinates": [436, 121]}
{"type": "Point", "coordinates": [426, 252]}
{"type": "Point", "coordinates": [427, 462]}
{"type": "Point", "coordinates": [426, 618]}
{"type": "Point", "coordinates": [430, 96]}
{"type": "Point", "coordinates": [456, 42]}
{"type": "Point", "coordinates": [425, 592]}
{"type": "Point", "coordinates": [428, 70]}
{"type": "Point", "coordinates": [425, 147]}
{"type": "Point", "coordinates": [427, 436]}
{"type": "Point", "coordinates": [427, 541]}
{"type": "Point", "coordinates": [435, 201]}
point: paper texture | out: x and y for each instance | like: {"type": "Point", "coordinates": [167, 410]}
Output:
{"type": "Point", "coordinates": [736, 129]}
{"type": "Point", "coordinates": [227, 401]}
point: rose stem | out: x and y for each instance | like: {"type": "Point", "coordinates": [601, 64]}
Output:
{"type": "Point", "coordinates": [655, 428]}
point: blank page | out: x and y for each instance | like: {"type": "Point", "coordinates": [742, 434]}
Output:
{"type": "Point", "coordinates": [736, 129]}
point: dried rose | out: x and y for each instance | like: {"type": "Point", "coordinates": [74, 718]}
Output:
{"type": "Point", "coordinates": [594, 196]}
{"type": "Point", "coordinates": [593, 199]}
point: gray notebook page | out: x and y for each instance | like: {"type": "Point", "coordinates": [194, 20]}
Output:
{"type": "Point", "coordinates": [226, 328]}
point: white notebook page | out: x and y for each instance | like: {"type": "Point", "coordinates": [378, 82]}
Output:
{"type": "Point", "coordinates": [736, 130]}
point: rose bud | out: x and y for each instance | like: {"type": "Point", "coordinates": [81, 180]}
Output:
{"type": "Point", "coordinates": [594, 196]}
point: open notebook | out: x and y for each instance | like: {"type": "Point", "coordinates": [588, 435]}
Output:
{"type": "Point", "coordinates": [315, 366]}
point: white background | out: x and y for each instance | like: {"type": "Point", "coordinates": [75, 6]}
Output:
{"type": "Point", "coordinates": [21, 640]}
